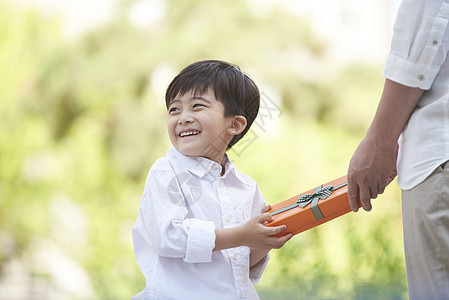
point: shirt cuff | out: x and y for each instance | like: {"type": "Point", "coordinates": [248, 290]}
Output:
{"type": "Point", "coordinates": [200, 241]}
{"type": "Point", "coordinates": [409, 74]}
{"type": "Point", "coordinates": [256, 271]}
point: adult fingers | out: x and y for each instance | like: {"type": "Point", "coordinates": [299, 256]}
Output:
{"type": "Point", "coordinates": [365, 198]}
{"type": "Point", "coordinates": [353, 195]}
{"type": "Point", "coordinates": [373, 192]}
{"type": "Point", "coordinates": [392, 176]}
{"type": "Point", "coordinates": [380, 188]}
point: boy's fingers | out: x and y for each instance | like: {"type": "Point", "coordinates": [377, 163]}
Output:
{"type": "Point", "coordinates": [266, 208]}
{"type": "Point", "coordinates": [279, 242]}
{"type": "Point", "coordinates": [265, 217]}
{"type": "Point", "coordinates": [285, 238]}
{"type": "Point", "coordinates": [276, 230]}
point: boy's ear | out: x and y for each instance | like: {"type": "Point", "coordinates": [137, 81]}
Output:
{"type": "Point", "coordinates": [238, 125]}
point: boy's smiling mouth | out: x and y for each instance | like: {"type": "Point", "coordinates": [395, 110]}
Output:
{"type": "Point", "coordinates": [188, 133]}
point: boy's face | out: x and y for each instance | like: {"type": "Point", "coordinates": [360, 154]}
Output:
{"type": "Point", "coordinates": [197, 125]}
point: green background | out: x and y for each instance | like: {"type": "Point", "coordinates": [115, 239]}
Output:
{"type": "Point", "coordinates": [82, 121]}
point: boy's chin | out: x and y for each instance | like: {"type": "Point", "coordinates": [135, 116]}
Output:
{"type": "Point", "coordinates": [189, 152]}
{"type": "Point", "coordinates": [206, 152]}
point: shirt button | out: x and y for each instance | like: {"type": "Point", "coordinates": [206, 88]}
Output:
{"type": "Point", "coordinates": [228, 219]}
{"type": "Point", "coordinates": [234, 257]}
{"type": "Point", "coordinates": [421, 77]}
{"type": "Point", "coordinates": [242, 295]}
{"type": "Point", "coordinates": [220, 184]}
{"type": "Point", "coordinates": [214, 167]}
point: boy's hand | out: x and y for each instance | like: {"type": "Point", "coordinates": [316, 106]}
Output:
{"type": "Point", "coordinates": [266, 208]}
{"type": "Point", "coordinates": [258, 252]}
{"type": "Point", "coordinates": [253, 234]}
{"type": "Point", "coordinates": [257, 235]}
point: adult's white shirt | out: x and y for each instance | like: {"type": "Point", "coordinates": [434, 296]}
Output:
{"type": "Point", "coordinates": [418, 58]}
{"type": "Point", "coordinates": [184, 200]}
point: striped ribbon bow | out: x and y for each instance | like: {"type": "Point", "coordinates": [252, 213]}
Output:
{"type": "Point", "coordinates": [322, 194]}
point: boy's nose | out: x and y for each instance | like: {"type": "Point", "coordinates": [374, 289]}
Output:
{"type": "Point", "coordinates": [185, 118]}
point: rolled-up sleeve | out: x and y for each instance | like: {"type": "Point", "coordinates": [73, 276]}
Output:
{"type": "Point", "coordinates": [420, 43]}
{"type": "Point", "coordinates": [166, 224]}
{"type": "Point", "coordinates": [200, 241]}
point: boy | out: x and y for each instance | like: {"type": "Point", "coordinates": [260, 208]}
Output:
{"type": "Point", "coordinates": [200, 233]}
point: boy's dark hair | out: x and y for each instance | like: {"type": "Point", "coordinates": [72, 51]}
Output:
{"type": "Point", "coordinates": [238, 93]}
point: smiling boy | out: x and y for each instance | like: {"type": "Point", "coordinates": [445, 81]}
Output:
{"type": "Point", "coordinates": [197, 123]}
{"type": "Point", "coordinates": [200, 230]}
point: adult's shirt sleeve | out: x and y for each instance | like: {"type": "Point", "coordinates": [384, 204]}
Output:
{"type": "Point", "coordinates": [420, 43]}
{"type": "Point", "coordinates": [165, 223]}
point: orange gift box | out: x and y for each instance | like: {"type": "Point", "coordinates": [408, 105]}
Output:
{"type": "Point", "coordinates": [312, 208]}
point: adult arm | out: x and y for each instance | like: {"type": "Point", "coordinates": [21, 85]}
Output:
{"type": "Point", "coordinates": [375, 158]}
{"type": "Point", "coordinates": [419, 48]}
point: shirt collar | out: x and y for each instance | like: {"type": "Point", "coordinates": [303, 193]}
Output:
{"type": "Point", "coordinates": [200, 166]}
{"type": "Point", "coordinates": [232, 171]}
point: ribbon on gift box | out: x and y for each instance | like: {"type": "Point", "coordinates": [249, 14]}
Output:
{"type": "Point", "coordinates": [305, 199]}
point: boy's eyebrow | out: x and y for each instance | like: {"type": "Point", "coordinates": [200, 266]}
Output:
{"type": "Point", "coordinates": [201, 98]}
{"type": "Point", "coordinates": [193, 98]}
{"type": "Point", "coordinates": [173, 101]}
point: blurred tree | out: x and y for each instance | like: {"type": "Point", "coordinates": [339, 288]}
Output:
{"type": "Point", "coordinates": [82, 122]}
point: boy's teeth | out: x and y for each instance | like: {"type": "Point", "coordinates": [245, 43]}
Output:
{"type": "Point", "coordinates": [188, 133]}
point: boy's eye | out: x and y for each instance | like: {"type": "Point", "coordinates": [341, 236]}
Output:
{"type": "Point", "coordinates": [196, 105]}
{"type": "Point", "coordinates": [173, 109]}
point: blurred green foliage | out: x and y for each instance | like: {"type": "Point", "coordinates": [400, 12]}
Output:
{"type": "Point", "coordinates": [81, 122]}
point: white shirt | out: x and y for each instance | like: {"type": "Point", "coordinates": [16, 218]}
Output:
{"type": "Point", "coordinates": [418, 59]}
{"type": "Point", "coordinates": [185, 199]}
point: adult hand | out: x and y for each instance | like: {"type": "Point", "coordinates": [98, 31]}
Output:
{"type": "Point", "coordinates": [372, 166]}
{"type": "Point", "coordinates": [371, 169]}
